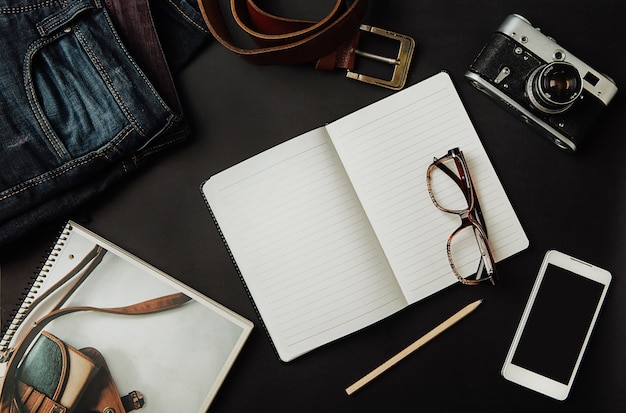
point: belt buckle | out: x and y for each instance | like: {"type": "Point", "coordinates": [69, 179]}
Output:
{"type": "Point", "coordinates": [401, 62]}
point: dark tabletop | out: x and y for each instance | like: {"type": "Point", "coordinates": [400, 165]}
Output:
{"type": "Point", "coordinates": [573, 203]}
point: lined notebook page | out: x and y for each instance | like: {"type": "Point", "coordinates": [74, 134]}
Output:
{"type": "Point", "coordinates": [386, 149]}
{"type": "Point", "coordinates": [303, 244]}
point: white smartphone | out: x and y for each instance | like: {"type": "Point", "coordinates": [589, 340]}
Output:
{"type": "Point", "coordinates": [556, 325]}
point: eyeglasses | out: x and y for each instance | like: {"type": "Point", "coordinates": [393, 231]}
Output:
{"type": "Point", "coordinates": [451, 190]}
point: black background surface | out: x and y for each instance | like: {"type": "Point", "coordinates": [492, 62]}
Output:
{"type": "Point", "coordinates": [573, 203]}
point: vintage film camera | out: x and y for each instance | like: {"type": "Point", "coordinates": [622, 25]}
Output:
{"type": "Point", "coordinates": [543, 83]}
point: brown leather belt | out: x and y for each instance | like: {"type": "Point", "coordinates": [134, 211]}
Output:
{"type": "Point", "coordinates": [331, 42]}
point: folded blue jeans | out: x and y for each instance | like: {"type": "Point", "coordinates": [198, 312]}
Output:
{"type": "Point", "coordinates": [87, 96]}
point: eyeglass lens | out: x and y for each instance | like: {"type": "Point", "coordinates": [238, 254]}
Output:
{"type": "Point", "coordinates": [469, 255]}
{"type": "Point", "coordinates": [447, 193]}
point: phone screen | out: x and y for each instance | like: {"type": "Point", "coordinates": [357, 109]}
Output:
{"type": "Point", "coordinates": [558, 324]}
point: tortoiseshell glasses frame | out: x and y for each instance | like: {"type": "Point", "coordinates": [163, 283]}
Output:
{"type": "Point", "coordinates": [470, 214]}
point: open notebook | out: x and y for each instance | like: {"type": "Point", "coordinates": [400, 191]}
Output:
{"type": "Point", "coordinates": [334, 230]}
{"type": "Point", "coordinates": [177, 358]}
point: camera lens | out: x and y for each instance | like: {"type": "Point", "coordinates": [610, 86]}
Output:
{"type": "Point", "coordinates": [552, 88]}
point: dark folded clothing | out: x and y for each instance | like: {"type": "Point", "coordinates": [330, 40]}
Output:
{"type": "Point", "coordinates": [87, 97]}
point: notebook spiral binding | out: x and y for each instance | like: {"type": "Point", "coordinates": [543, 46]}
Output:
{"type": "Point", "coordinates": [22, 311]}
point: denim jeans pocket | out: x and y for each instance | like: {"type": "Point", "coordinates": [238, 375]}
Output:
{"type": "Point", "coordinates": [81, 84]}
{"type": "Point", "coordinates": [69, 96]}
{"type": "Point", "coordinates": [81, 95]}
{"type": "Point", "coordinates": [77, 109]}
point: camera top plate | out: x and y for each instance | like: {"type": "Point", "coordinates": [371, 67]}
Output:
{"type": "Point", "coordinates": [547, 49]}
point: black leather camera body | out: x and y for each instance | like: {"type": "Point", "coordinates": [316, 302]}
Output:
{"type": "Point", "coordinates": [541, 82]}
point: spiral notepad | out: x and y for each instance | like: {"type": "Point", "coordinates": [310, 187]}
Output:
{"type": "Point", "coordinates": [201, 338]}
{"type": "Point", "coordinates": [38, 285]}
